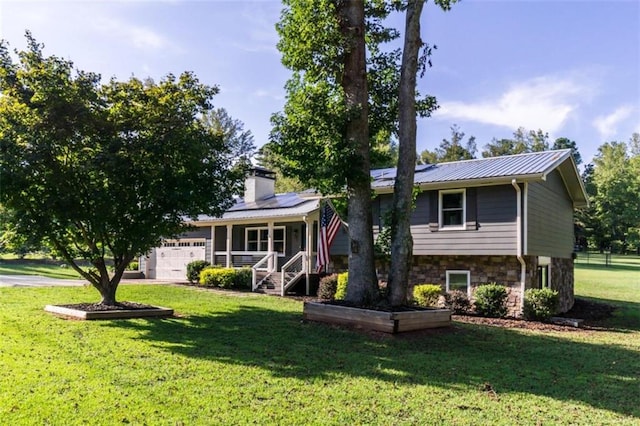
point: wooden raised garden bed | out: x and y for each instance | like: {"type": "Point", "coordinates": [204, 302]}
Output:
{"type": "Point", "coordinates": [369, 319]}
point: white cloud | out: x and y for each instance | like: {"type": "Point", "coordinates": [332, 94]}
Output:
{"type": "Point", "coordinates": [607, 124]}
{"type": "Point", "coordinates": [139, 36]}
{"type": "Point", "coordinates": [541, 103]}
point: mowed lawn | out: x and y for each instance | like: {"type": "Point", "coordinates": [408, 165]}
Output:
{"type": "Point", "coordinates": [248, 359]}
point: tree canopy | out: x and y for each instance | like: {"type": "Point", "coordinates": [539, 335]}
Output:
{"type": "Point", "coordinates": [523, 141]}
{"type": "Point", "coordinates": [451, 150]}
{"type": "Point", "coordinates": [613, 185]}
{"type": "Point", "coordinates": [103, 172]}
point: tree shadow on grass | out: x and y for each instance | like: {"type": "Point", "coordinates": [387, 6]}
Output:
{"type": "Point", "coordinates": [625, 317]}
{"type": "Point", "coordinates": [604, 376]}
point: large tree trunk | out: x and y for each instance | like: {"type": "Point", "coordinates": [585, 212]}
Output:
{"type": "Point", "coordinates": [401, 240]}
{"type": "Point", "coordinates": [363, 283]}
{"type": "Point", "coordinates": [108, 292]}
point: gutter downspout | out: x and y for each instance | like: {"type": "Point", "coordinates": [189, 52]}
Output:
{"type": "Point", "coordinates": [523, 265]}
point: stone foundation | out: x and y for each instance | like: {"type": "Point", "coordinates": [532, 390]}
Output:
{"type": "Point", "coordinates": [484, 269]}
{"type": "Point", "coordinates": [562, 280]}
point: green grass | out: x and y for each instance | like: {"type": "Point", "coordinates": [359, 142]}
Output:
{"type": "Point", "coordinates": [617, 284]}
{"type": "Point", "coordinates": [43, 267]}
{"type": "Point", "coordinates": [250, 360]}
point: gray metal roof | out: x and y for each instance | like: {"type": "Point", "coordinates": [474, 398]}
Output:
{"type": "Point", "coordinates": [522, 167]}
{"type": "Point", "coordinates": [277, 206]}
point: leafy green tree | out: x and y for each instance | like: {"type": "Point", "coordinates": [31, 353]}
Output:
{"type": "Point", "coordinates": [523, 141]}
{"type": "Point", "coordinates": [230, 129]}
{"type": "Point", "coordinates": [565, 143]}
{"type": "Point", "coordinates": [323, 133]}
{"type": "Point", "coordinates": [268, 159]}
{"type": "Point", "coordinates": [614, 187]}
{"type": "Point", "coordinates": [403, 190]}
{"type": "Point", "coordinates": [451, 150]}
{"type": "Point", "coordinates": [105, 171]}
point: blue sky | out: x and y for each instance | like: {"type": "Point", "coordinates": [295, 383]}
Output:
{"type": "Point", "coordinates": [570, 68]}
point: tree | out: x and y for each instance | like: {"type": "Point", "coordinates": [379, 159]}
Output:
{"type": "Point", "coordinates": [103, 172]}
{"type": "Point", "coordinates": [565, 143]}
{"type": "Point", "coordinates": [614, 188]}
{"type": "Point", "coordinates": [451, 150]}
{"type": "Point", "coordinates": [323, 133]}
{"type": "Point", "coordinates": [523, 141]}
{"type": "Point", "coordinates": [232, 130]}
{"type": "Point", "coordinates": [401, 239]}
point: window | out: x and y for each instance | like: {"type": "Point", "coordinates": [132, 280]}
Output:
{"type": "Point", "coordinates": [543, 271]}
{"type": "Point", "coordinates": [257, 239]}
{"type": "Point", "coordinates": [452, 209]}
{"type": "Point", "coordinates": [459, 280]}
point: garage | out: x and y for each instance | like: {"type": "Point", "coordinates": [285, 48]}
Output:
{"type": "Point", "coordinates": [172, 258]}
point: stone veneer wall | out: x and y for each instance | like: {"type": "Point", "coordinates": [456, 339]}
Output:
{"type": "Point", "coordinates": [562, 280]}
{"type": "Point", "coordinates": [484, 269]}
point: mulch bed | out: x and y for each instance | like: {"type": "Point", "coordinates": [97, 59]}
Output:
{"type": "Point", "coordinates": [98, 307]}
{"type": "Point", "coordinates": [591, 312]}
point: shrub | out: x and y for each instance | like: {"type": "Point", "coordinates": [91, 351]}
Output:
{"type": "Point", "coordinates": [457, 301]}
{"type": "Point", "coordinates": [341, 288]}
{"type": "Point", "coordinates": [491, 300]}
{"type": "Point", "coordinates": [540, 304]}
{"type": "Point", "coordinates": [243, 278]}
{"type": "Point", "coordinates": [426, 294]}
{"type": "Point", "coordinates": [194, 268]}
{"type": "Point", "coordinates": [132, 266]}
{"type": "Point", "coordinates": [218, 277]}
{"type": "Point", "coordinates": [328, 286]}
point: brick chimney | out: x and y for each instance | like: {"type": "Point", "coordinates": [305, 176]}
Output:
{"type": "Point", "coordinates": [259, 185]}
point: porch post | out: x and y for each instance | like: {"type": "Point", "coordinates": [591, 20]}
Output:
{"type": "Point", "coordinates": [229, 232]}
{"type": "Point", "coordinates": [270, 244]}
{"type": "Point", "coordinates": [213, 245]}
{"type": "Point", "coordinates": [309, 240]}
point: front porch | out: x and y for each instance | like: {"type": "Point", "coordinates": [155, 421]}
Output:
{"type": "Point", "coordinates": [280, 254]}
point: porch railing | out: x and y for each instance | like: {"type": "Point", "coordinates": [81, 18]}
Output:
{"type": "Point", "coordinates": [268, 263]}
{"type": "Point", "coordinates": [292, 270]}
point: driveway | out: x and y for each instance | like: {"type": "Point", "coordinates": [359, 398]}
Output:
{"type": "Point", "coordinates": [38, 281]}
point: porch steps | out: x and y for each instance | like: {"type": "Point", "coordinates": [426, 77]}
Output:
{"type": "Point", "coordinates": [271, 284]}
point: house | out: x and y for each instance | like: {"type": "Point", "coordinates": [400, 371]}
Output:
{"type": "Point", "coordinates": [504, 219]}
{"type": "Point", "coordinates": [263, 230]}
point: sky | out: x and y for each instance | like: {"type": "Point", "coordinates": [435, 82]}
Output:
{"type": "Point", "coordinates": [569, 68]}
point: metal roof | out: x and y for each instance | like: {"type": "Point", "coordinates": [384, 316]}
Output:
{"type": "Point", "coordinates": [529, 166]}
{"type": "Point", "coordinates": [277, 206]}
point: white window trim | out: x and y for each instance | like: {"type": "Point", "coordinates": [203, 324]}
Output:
{"type": "Point", "coordinates": [463, 226]}
{"type": "Point", "coordinates": [460, 272]}
{"type": "Point", "coordinates": [265, 228]}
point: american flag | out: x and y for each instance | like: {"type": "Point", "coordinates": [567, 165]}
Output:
{"type": "Point", "coordinates": [329, 226]}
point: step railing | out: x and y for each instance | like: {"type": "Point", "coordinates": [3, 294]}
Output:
{"type": "Point", "coordinates": [292, 270]}
{"type": "Point", "coordinates": [268, 263]}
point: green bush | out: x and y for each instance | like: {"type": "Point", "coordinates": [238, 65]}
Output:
{"type": "Point", "coordinates": [341, 288]}
{"type": "Point", "coordinates": [243, 279]}
{"type": "Point", "coordinates": [226, 277]}
{"type": "Point", "coordinates": [426, 294]}
{"type": "Point", "coordinates": [327, 287]}
{"type": "Point", "coordinates": [491, 300]}
{"type": "Point", "coordinates": [540, 304]}
{"type": "Point", "coordinates": [457, 301]}
{"type": "Point", "coordinates": [194, 268]}
{"type": "Point", "coordinates": [132, 266]}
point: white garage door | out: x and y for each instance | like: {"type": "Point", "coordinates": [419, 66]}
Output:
{"type": "Point", "coordinates": [171, 262]}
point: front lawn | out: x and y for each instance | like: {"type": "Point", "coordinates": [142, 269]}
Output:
{"type": "Point", "coordinates": [617, 284]}
{"type": "Point", "coordinates": [249, 359]}
{"type": "Point", "coordinates": [43, 267]}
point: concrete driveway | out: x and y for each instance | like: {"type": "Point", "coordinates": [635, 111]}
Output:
{"type": "Point", "coordinates": [38, 281]}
